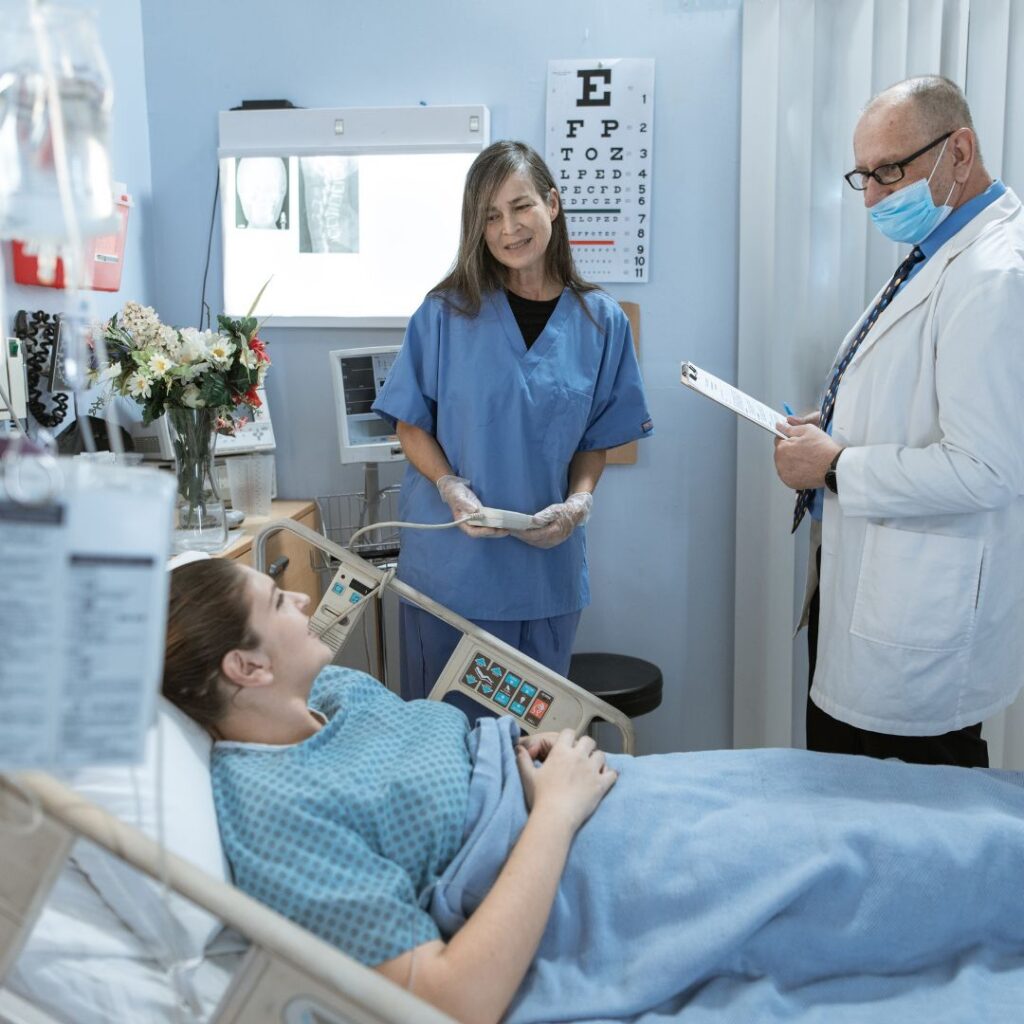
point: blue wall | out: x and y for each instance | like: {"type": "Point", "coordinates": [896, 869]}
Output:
{"type": "Point", "coordinates": [662, 532]}
{"type": "Point", "coordinates": [120, 27]}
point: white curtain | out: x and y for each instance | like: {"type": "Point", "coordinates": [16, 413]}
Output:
{"type": "Point", "coordinates": [810, 261]}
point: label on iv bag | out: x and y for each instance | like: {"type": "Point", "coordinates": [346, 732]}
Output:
{"type": "Point", "coordinates": [82, 617]}
{"type": "Point", "coordinates": [29, 662]}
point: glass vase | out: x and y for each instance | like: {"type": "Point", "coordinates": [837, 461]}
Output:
{"type": "Point", "coordinates": [200, 521]}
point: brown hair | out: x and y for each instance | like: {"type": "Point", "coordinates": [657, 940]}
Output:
{"type": "Point", "coordinates": [207, 616]}
{"type": "Point", "coordinates": [475, 271]}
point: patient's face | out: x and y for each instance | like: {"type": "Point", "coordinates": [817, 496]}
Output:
{"type": "Point", "coordinates": [279, 618]}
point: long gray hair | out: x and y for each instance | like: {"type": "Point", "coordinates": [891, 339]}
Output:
{"type": "Point", "coordinates": [475, 271]}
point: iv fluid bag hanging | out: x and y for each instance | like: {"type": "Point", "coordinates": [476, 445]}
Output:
{"type": "Point", "coordinates": [30, 202]}
{"type": "Point", "coordinates": [83, 611]}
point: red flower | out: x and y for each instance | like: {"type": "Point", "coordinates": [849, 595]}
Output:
{"type": "Point", "coordinates": [252, 399]}
{"type": "Point", "coordinates": [260, 349]}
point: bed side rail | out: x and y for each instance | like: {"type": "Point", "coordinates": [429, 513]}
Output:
{"type": "Point", "coordinates": [286, 967]}
{"type": "Point", "coordinates": [569, 706]}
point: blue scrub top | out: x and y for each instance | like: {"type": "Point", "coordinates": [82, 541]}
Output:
{"type": "Point", "coordinates": [510, 419]}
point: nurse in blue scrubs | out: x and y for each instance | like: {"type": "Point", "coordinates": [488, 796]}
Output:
{"type": "Point", "coordinates": [514, 378]}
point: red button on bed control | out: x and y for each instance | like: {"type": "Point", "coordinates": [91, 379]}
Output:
{"type": "Point", "coordinates": [538, 709]}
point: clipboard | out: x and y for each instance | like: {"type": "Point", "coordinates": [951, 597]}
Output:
{"type": "Point", "coordinates": [732, 398]}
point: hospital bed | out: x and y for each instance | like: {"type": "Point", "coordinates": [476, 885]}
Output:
{"type": "Point", "coordinates": [54, 838]}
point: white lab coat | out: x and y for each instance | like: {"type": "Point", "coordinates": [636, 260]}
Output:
{"type": "Point", "coordinates": [922, 551]}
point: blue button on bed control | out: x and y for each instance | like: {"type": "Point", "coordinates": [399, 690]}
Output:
{"type": "Point", "coordinates": [527, 690]}
{"type": "Point", "coordinates": [502, 699]}
{"type": "Point", "coordinates": [517, 708]}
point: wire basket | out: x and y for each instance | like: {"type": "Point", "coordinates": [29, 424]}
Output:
{"type": "Point", "coordinates": [342, 514]}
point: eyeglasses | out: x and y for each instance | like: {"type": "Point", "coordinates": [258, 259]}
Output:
{"type": "Point", "coordinates": [889, 174]}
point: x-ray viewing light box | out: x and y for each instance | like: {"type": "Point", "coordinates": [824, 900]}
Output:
{"type": "Point", "coordinates": [352, 213]}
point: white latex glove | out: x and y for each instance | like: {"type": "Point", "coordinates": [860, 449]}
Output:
{"type": "Point", "coordinates": [556, 522]}
{"type": "Point", "coordinates": [455, 493]}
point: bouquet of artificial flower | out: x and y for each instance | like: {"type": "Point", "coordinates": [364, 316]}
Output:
{"type": "Point", "coordinates": [164, 367]}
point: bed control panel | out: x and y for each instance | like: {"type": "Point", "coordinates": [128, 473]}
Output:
{"type": "Point", "coordinates": [490, 679]}
{"type": "Point", "coordinates": [537, 698]}
{"type": "Point", "coordinates": [343, 604]}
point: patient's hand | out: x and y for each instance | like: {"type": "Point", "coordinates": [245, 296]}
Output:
{"type": "Point", "coordinates": [571, 782]}
{"type": "Point", "coordinates": [538, 745]}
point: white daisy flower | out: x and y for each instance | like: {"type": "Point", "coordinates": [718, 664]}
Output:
{"type": "Point", "coordinates": [221, 351]}
{"type": "Point", "coordinates": [159, 364]}
{"type": "Point", "coordinates": [139, 385]}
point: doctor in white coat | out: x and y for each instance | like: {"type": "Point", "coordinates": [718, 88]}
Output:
{"type": "Point", "coordinates": [915, 462]}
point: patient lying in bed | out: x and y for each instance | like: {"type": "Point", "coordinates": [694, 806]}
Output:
{"type": "Point", "coordinates": [539, 880]}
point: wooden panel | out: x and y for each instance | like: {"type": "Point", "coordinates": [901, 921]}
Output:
{"type": "Point", "coordinates": [299, 575]}
{"type": "Point", "coordinates": [625, 455]}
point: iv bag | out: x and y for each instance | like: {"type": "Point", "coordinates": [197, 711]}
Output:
{"type": "Point", "coordinates": [30, 201]}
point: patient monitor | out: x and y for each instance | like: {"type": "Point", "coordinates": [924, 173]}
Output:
{"type": "Point", "coordinates": [358, 375]}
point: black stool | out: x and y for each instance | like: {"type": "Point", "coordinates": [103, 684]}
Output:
{"type": "Point", "coordinates": [630, 685]}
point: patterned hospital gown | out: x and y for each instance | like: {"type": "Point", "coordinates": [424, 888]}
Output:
{"type": "Point", "coordinates": [346, 832]}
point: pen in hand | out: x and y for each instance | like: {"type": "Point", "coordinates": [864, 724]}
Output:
{"type": "Point", "coordinates": [788, 408]}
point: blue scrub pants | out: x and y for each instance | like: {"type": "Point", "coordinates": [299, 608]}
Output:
{"type": "Point", "coordinates": [427, 643]}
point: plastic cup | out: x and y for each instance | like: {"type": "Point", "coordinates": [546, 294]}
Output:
{"type": "Point", "coordinates": [249, 481]}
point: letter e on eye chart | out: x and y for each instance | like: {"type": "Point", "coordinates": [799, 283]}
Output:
{"type": "Point", "coordinates": [600, 131]}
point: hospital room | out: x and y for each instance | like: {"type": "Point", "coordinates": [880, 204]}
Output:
{"type": "Point", "coordinates": [670, 671]}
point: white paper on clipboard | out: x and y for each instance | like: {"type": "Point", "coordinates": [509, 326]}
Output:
{"type": "Point", "coordinates": [732, 398]}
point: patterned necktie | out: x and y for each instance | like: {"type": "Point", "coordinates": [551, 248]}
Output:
{"type": "Point", "coordinates": [804, 498]}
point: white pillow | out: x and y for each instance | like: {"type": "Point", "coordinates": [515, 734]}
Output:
{"type": "Point", "coordinates": [189, 829]}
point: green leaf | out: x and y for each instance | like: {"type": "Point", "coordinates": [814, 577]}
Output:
{"type": "Point", "coordinates": [153, 407]}
{"type": "Point", "coordinates": [214, 390]}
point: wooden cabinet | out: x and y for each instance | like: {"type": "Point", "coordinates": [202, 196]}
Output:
{"type": "Point", "coordinates": [299, 573]}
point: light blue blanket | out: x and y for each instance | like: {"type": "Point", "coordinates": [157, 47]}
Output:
{"type": "Point", "coordinates": [763, 886]}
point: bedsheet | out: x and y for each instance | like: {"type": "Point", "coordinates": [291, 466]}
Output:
{"type": "Point", "coordinates": [767, 885]}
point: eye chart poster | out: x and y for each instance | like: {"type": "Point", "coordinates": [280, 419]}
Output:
{"type": "Point", "coordinates": [600, 128]}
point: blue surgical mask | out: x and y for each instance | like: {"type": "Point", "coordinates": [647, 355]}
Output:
{"type": "Point", "coordinates": [910, 215]}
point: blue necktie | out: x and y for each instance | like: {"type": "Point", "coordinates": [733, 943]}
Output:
{"type": "Point", "coordinates": [828, 403]}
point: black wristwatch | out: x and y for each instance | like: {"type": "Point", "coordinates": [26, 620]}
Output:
{"type": "Point", "coordinates": [830, 474]}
